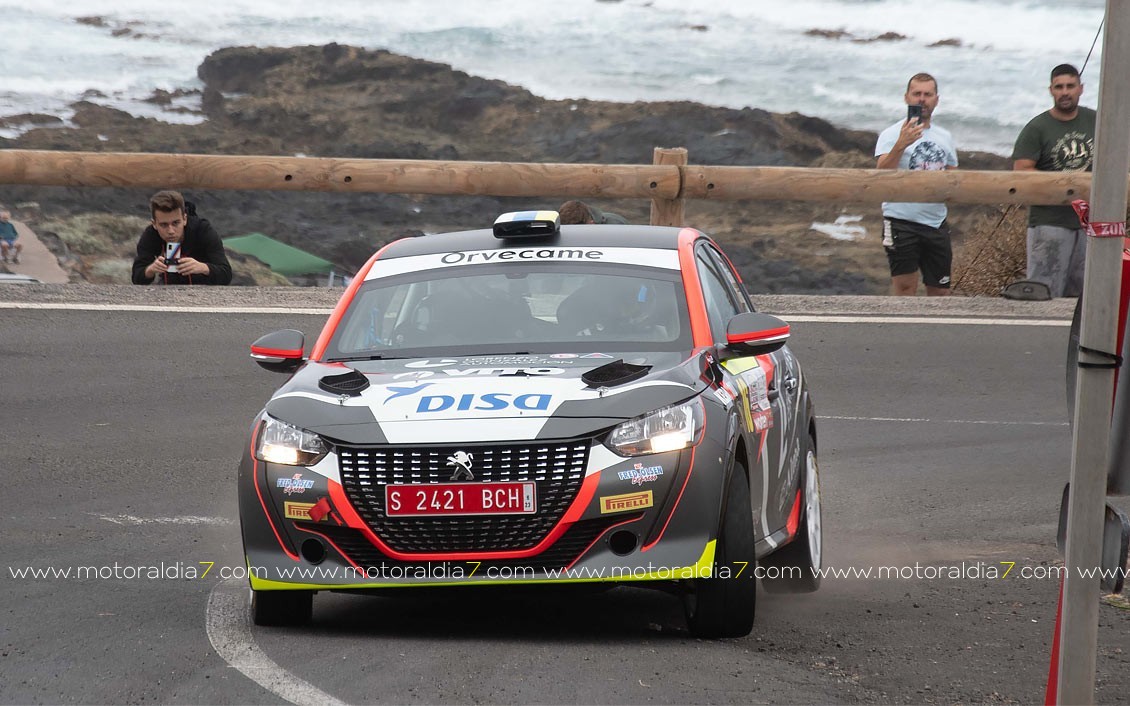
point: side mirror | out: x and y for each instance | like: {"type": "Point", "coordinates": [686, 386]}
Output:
{"type": "Point", "coordinates": [754, 333]}
{"type": "Point", "coordinates": [281, 351]}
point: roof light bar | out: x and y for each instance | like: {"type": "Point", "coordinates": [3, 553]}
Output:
{"type": "Point", "coordinates": [527, 224]}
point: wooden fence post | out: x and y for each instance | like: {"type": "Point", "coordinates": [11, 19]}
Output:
{"type": "Point", "coordinates": [670, 212]}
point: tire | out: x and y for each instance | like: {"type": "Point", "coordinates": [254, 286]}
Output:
{"type": "Point", "coordinates": [724, 604]}
{"type": "Point", "coordinates": [1073, 358]}
{"type": "Point", "coordinates": [281, 608]}
{"type": "Point", "coordinates": [797, 562]}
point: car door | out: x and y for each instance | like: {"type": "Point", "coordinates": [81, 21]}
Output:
{"type": "Point", "coordinates": [763, 392]}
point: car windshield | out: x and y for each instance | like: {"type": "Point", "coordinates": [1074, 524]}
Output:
{"type": "Point", "coordinates": [515, 308]}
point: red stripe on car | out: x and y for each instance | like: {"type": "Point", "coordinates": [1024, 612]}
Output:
{"type": "Point", "coordinates": [690, 468]}
{"type": "Point", "coordinates": [259, 492]}
{"type": "Point", "coordinates": [794, 516]}
{"type": "Point", "coordinates": [343, 305]}
{"type": "Point", "coordinates": [700, 322]}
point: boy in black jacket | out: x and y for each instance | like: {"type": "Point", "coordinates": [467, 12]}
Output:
{"type": "Point", "coordinates": [201, 258]}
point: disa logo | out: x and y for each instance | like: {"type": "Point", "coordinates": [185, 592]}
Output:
{"type": "Point", "coordinates": [489, 402]}
{"type": "Point", "coordinates": [486, 402]}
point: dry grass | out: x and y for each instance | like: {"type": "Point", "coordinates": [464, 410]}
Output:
{"type": "Point", "coordinates": [993, 253]}
{"type": "Point", "coordinates": [98, 234]}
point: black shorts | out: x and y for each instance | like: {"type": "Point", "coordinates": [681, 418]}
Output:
{"type": "Point", "coordinates": [914, 246]}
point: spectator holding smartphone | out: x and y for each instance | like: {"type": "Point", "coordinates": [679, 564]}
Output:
{"type": "Point", "coordinates": [1057, 140]}
{"type": "Point", "coordinates": [200, 257]}
{"type": "Point", "coordinates": [915, 235]}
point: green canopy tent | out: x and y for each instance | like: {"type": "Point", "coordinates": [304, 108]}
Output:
{"type": "Point", "coordinates": [285, 259]}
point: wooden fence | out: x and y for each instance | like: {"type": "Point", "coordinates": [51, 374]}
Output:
{"type": "Point", "coordinates": [668, 182]}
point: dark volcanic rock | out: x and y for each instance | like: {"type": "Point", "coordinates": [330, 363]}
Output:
{"type": "Point", "coordinates": [335, 100]}
{"type": "Point", "coordinates": [30, 119]}
{"type": "Point", "coordinates": [240, 70]}
{"type": "Point", "coordinates": [343, 101]}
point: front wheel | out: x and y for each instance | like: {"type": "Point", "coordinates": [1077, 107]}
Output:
{"type": "Point", "coordinates": [1073, 358]}
{"type": "Point", "coordinates": [724, 604]}
{"type": "Point", "coordinates": [278, 608]}
{"type": "Point", "coordinates": [795, 567]}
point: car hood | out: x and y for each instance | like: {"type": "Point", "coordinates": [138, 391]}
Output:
{"type": "Point", "coordinates": [479, 398]}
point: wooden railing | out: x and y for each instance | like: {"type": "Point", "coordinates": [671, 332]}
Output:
{"type": "Point", "coordinates": [668, 182]}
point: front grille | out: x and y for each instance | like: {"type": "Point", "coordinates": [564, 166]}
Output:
{"type": "Point", "coordinates": [557, 468]}
{"type": "Point", "coordinates": [564, 551]}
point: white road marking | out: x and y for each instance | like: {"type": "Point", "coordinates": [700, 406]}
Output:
{"type": "Point", "coordinates": [178, 520]}
{"type": "Point", "coordinates": [940, 421]}
{"type": "Point", "coordinates": [230, 634]}
{"type": "Point", "coordinates": [798, 318]}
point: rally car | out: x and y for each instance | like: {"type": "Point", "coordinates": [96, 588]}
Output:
{"type": "Point", "coordinates": [536, 404]}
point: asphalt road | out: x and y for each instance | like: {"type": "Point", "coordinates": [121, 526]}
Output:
{"type": "Point", "coordinates": [940, 445]}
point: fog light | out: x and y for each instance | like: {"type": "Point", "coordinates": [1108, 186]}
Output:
{"type": "Point", "coordinates": [314, 551]}
{"type": "Point", "coordinates": [622, 542]}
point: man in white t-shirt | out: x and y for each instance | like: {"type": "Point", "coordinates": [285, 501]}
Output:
{"type": "Point", "coordinates": [915, 235]}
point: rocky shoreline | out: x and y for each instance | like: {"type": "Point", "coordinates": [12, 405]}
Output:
{"type": "Point", "coordinates": [342, 101]}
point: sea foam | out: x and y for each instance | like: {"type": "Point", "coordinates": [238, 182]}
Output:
{"type": "Point", "coordinates": [992, 77]}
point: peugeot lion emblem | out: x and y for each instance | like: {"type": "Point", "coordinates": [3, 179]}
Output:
{"type": "Point", "coordinates": [462, 462]}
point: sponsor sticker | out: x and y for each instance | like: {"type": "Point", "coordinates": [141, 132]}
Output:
{"type": "Point", "coordinates": [295, 485]}
{"type": "Point", "coordinates": [427, 363]}
{"type": "Point", "coordinates": [626, 502]}
{"type": "Point", "coordinates": [482, 372]}
{"type": "Point", "coordinates": [753, 389]}
{"type": "Point", "coordinates": [491, 401]}
{"type": "Point", "coordinates": [642, 257]}
{"type": "Point", "coordinates": [297, 511]}
{"type": "Point", "coordinates": [641, 474]}
{"type": "Point", "coordinates": [472, 364]}
{"type": "Point", "coordinates": [485, 256]}
{"type": "Point", "coordinates": [763, 419]}
{"type": "Point", "coordinates": [470, 401]}
{"type": "Point", "coordinates": [402, 391]}
{"type": "Point", "coordinates": [758, 387]}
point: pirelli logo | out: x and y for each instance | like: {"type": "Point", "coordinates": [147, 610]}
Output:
{"type": "Point", "coordinates": [627, 501]}
{"type": "Point", "coordinates": [297, 511]}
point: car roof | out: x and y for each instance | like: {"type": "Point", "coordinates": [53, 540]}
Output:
{"type": "Point", "coordinates": [570, 236]}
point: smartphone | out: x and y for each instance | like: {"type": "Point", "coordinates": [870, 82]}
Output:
{"type": "Point", "coordinates": [172, 255]}
{"type": "Point", "coordinates": [914, 112]}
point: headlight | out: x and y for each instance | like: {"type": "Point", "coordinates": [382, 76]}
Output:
{"type": "Point", "coordinates": [667, 429]}
{"type": "Point", "coordinates": [283, 443]}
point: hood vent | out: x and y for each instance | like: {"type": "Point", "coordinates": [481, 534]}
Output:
{"type": "Point", "coordinates": [351, 383]}
{"type": "Point", "coordinates": [615, 373]}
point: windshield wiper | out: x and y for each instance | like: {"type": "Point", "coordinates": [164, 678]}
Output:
{"type": "Point", "coordinates": [356, 358]}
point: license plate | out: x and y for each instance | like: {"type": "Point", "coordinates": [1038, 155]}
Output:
{"type": "Point", "coordinates": [461, 499]}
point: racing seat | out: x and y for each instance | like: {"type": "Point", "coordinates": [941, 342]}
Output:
{"type": "Point", "coordinates": [577, 314]}
{"type": "Point", "coordinates": [510, 319]}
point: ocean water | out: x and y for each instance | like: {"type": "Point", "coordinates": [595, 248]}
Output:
{"type": "Point", "coordinates": [992, 71]}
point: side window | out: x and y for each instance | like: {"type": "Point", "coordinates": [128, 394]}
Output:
{"type": "Point", "coordinates": [738, 291]}
{"type": "Point", "coordinates": [720, 307]}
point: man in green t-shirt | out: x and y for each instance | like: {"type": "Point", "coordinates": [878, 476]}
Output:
{"type": "Point", "coordinates": [1059, 140]}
